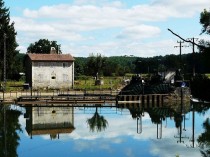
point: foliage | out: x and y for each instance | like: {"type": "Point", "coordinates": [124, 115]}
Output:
{"type": "Point", "coordinates": [80, 66]}
{"type": "Point", "coordinates": [204, 139]}
{"type": "Point", "coordinates": [11, 127]}
{"type": "Point", "coordinates": [200, 87]}
{"type": "Point", "coordinates": [205, 21]}
{"type": "Point", "coordinates": [122, 65]}
{"type": "Point", "coordinates": [97, 122]}
{"type": "Point", "coordinates": [95, 65]}
{"type": "Point", "coordinates": [7, 30]}
{"type": "Point", "coordinates": [43, 46]}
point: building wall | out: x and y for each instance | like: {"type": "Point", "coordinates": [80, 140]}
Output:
{"type": "Point", "coordinates": [52, 75]}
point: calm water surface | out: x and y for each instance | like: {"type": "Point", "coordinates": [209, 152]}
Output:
{"type": "Point", "coordinates": [128, 130]}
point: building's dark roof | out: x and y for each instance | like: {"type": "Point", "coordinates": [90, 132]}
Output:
{"type": "Point", "coordinates": [50, 57]}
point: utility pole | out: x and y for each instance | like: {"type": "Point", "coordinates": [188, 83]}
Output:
{"type": "Point", "coordinates": [193, 49]}
{"type": "Point", "coordinates": [4, 89]}
{"type": "Point", "coordinates": [4, 86]}
{"type": "Point", "coordinates": [180, 52]}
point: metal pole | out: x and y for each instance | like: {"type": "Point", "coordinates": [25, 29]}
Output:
{"type": "Point", "coordinates": [180, 52]}
{"type": "Point", "coordinates": [193, 56]}
{"type": "Point", "coordinates": [5, 132]}
{"type": "Point", "coordinates": [4, 86]}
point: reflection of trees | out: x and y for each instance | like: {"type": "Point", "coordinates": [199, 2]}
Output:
{"type": "Point", "coordinates": [200, 87]}
{"type": "Point", "coordinates": [159, 114]}
{"type": "Point", "coordinates": [53, 136]}
{"type": "Point", "coordinates": [178, 119]}
{"type": "Point", "coordinates": [135, 112]}
{"type": "Point", "coordinates": [8, 131]}
{"type": "Point", "coordinates": [201, 107]}
{"type": "Point", "coordinates": [204, 139]}
{"type": "Point", "coordinates": [97, 122]}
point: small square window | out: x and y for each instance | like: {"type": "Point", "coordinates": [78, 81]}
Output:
{"type": "Point", "coordinates": [64, 65]}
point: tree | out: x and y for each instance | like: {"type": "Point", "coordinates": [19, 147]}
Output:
{"type": "Point", "coordinates": [204, 139]}
{"type": "Point", "coordinates": [205, 21]}
{"type": "Point", "coordinates": [79, 66]}
{"type": "Point", "coordinates": [44, 46]}
{"type": "Point", "coordinates": [7, 30]}
{"type": "Point", "coordinates": [10, 129]}
{"type": "Point", "coordinates": [95, 64]}
{"type": "Point", "coordinates": [97, 122]}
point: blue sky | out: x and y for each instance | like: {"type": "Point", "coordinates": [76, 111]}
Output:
{"type": "Point", "coordinates": [108, 27]}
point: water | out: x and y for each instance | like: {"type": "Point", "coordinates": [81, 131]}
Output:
{"type": "Point", "coordinates": [125, 131]}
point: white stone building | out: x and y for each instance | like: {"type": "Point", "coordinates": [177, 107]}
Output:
{"type": "Point", "coordinates": [50, 71]}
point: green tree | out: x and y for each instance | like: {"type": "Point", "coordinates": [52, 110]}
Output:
{"type": "Point", "coordinates": [204, 139]}
{"type": "Point", "coordinates": [7, 30]}
{"type": "Point", "coordinates": [95, 64]}
{"type": "Point", "coordinates": [205, 21]}
{"type": "Point", "coordinates": [9, 131]}
{"type": "Point", "coordinates": [43, 46]}
{"type": "Point", "coordinates": [79, 66]}
{"type": "Point", "coordinates": [205, 45]}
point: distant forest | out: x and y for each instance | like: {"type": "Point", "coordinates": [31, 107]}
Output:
{"type": "Point", "coordinates": [121, 65]}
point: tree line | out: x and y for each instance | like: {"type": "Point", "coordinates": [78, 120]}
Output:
{"type": "Point", "coordinates": [121, 65]}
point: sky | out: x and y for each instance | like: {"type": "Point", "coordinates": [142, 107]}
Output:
{"type": "Point", "coordinates": [108, 27]}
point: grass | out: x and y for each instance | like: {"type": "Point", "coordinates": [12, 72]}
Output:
{"type": "Point", "coordinates": [108, 83]}
{"type": "Point", "coordinates": [208, 75]}
{"type": "Point", "coordinates": [14, 85]}
{"type": "Point", "coordinates": [80, 83]}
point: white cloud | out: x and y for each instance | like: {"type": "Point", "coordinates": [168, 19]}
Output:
{"type": "Point", "coordinates": [74, 25]}
{"type": "Point", "coordinates": [168, 148]}
{"type": "Point", "coordinates": [139, 32]}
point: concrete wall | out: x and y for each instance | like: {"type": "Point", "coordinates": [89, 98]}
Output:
{"type": "Point", "coordinates": [52, 75]}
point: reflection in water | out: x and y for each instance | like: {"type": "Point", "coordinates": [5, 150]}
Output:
{"type": "Point", "coordinates": [204, 139]}
{"type": "Point", "coordinates": [49, 120]}
{"type": "Point", "coordinates": [159, 113]}
{"type": "Point", "coordinates": [97, 122]}
{"type": "Point", "coordinates": [9, 129]}
{"type": "Point", "coordinates": [54, 121]}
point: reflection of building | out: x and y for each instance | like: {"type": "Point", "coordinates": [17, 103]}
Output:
{"type": "Point", "coordinates": [49, 120]}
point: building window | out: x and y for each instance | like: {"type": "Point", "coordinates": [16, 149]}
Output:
{"type": "Point", "coordinates": [65, 65]}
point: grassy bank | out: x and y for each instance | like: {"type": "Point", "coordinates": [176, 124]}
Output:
{"type": "Point", "coordinates": [81, 83]}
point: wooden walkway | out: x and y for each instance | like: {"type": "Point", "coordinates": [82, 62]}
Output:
{"type": "Point", "coordinates": [149, 99]}
{"type": "Point", "coordinates": [66, 99]}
